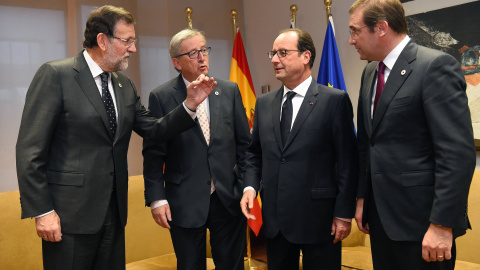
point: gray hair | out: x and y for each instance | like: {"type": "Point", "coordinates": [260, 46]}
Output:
{"type": "Point", "coordinates": [175, 44]}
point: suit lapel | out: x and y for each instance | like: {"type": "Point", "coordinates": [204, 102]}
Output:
{"type": "Point", "coordinates": [214, 103]}
{"type": "Point", "coordinates": [368, 83]}
{"type": "Point", "coordinates": [89, 87]}
{"type": "Point", "coordinates": [180, 93]}
{"type": "Point", "coordinates": [276, 104]}
{"type": "Point", "coordinates": [117, 88]}
{"type": "Point", "coordinates": [398, 75]}
{"type": "Point", "coordinates": [306, 108]}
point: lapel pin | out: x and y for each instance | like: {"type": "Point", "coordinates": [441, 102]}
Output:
{"type": "Point", "coordinates": [216, 93]}
{"type": "Point", "coordinates": [403, 72]}
{"type": "Point", "coordinates": [119, 84]}
{"type": "Point", "coordinates": [311, 103]}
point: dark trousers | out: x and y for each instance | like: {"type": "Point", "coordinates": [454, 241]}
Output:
{"type": "Point", "coordinates": [102, 250]}
{"type": "Point", "coordinates": [227, 240]}
{"type": "Point", "coordinates": [399, 255]}
{"type": "Point", "coordinates": [284, 255]}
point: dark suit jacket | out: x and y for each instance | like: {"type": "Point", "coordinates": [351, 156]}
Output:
{"type": "Point", "coordinates": [418, 154]}
{"type": "Point", "coordinates": [190, 163]}
{"type": "Point", "coordinates": [66, 159]}
{"type": "Point", "coordinates": [314, 177]}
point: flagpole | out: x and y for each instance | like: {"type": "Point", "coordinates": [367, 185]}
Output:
{"type": "Point", "coordinates": [328, 3]}
{"type": "Point", "coordinates": [234, 15]}
{"type": "Point", "coordinates": [189, 11]}
{"type": "Point", "coordinates": [293, 9]}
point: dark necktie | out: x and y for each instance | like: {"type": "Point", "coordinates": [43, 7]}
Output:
{"type": "Point", "coordinates": [287, 113]}
{"type": "Point", "coordinates": [380, 84]}
{"type": "Point", "coordinates": [109, 106]}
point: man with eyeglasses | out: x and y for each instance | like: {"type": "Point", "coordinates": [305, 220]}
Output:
{"type": "Point", "coordinates": [193, 182]}
{"type": "Point", "coordinates": [72, 146]}
{"type": "Point", "coordinates": [416, 147]}
{"type": "Point", "coordinates": [303, 159]}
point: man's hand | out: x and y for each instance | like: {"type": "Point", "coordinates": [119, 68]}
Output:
{"type": "Point", "coordinates": [198, 90]}
{"type": "Point", "coordinates": [162, 215]}
{"type": "Point", "coordinates": [359, 216]}
{"type": "Point", "coordinates": [48, 227]}
{"type": "Point", "coordinates": [341, 229]}
{"type": "Point", "coordinates": [247, 203]}
{"type": "Point", "coordinates": [437, 243]}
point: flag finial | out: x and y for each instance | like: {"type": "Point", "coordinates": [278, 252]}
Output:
{"type": "Point", "coordinates": [189, 11]}
{"type": "Point", "coordinates": [293, 9]}
{"type": "Point", "coordinates": [234, 18]}
{"type": "Point", "coordinates": [328, 3]}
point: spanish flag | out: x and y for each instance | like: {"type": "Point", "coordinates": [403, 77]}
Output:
{"type": "Point", "coordinates": [240, 73]}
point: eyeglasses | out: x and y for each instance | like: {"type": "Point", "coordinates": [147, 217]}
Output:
{"type": "Point", "coordinates": [193, 54]}
{"type": "Point", "coordinates": [280, 53]}
{"type": "Point", "coordinates": [354, 32]}
{"type": "Point", "coordinates": [128, 42]}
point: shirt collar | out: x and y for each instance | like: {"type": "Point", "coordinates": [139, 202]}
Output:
{"type": "Point", "coordinates": [185, 81]}
{"type": "Point", "coordinates": [92, 65]}
{"type": "Point", "coordinates": [301, 89]}
{"type": "Point", "coordinates": [392, 57]}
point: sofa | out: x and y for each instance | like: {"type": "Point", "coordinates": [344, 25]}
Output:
{"type": "Point", "coordinates": [148, 246]}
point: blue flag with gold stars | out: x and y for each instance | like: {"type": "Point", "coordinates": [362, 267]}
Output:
{"type": "Point", "coordinates": [330, 72]}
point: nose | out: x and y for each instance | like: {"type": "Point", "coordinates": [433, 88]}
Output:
{"type": "Point", "coordinates": [351, 40]}
{"type": "Point", "coordinates": [275, 58]}
{"type": "Point", "coordinates": [201, 56]}
{"type": "Point", "coordinates": [132, 48]}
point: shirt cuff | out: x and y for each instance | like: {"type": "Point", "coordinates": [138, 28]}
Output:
{"type": "Point", "coordinates": [42, 215]}
{"type": "Point", "coordinates": [344, 219]}
{"type": "Point", "coordinates": [192, 114]}
{"type": "Point", "coordinates": [250, 188]}
{"type": "Point", "coordinates": [157, 204]}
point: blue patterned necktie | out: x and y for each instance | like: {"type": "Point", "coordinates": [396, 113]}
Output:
{"type": "Point", "coordinates": [109, 106]}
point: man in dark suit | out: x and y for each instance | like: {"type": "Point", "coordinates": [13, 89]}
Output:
{"type": "Point", "coordinates": [201, 185]}
{"type": "Point", "coordinates": [416, 147]}
{"type": "Point", "coordinates": [72, 145]}
{"type": "Point", "coordinates": [303, 158]}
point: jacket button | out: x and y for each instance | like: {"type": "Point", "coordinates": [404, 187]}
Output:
{"type": "Point", "coordinates": [283, 161]}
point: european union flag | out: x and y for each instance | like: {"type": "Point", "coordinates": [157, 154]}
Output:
{"type": "Point", "coordinates": [330, 72]}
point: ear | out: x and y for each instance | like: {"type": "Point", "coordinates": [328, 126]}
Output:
{"type": "Point", "coordinates": [102, 41]}
{"type": "Point", "coordinates": [306, 57]}
{"type": "Point", "coordinates": [176, 64]}
{"type": "Point", "coordinates": [382, 28]}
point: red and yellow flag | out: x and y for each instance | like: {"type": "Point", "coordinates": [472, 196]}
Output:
{"type": "Point", "coordinates": [240, 73]}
